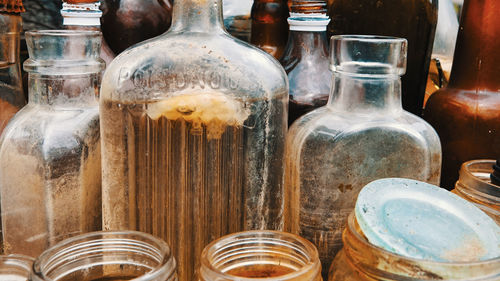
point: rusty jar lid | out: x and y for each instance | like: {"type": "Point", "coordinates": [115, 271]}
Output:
{"type": "Point", "coordinates": [11, 6]}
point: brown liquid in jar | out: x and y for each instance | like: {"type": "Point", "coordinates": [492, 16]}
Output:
{"type": "Point", "coordinates": [260, 271]}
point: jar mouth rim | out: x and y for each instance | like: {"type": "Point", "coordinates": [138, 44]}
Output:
{"type": "Point", "coordinates": [351, 227]}
{"type": "Point", "coordinates": [256, 234]}
{"type": "Point", "coordinates": [61, 248]}
{"type": "Point", "coordinates": [368, 38]}
{"type": "Point", "coordinates": [64, 33]}
{"type": "Point", "coordinates": [17, 260]}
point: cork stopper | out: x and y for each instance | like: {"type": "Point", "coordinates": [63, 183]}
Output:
{"type": "Point", "coordinates": [11, 6]}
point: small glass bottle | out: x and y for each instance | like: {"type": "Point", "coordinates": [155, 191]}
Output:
{"type": "Point", "coordinates": [465, 114]}
{"type": "Point", "coordinates": [361, 135]}
{"type": "Point", "coordinates": [264, 255]}
{"type": "Point", "coordinates": [100, 256]}
{"type": "Point", "coordinates": [128, 22]}
{"type": "Point", "coordinates": [306, 58]}
{"type": "Point", "coordinates": [50, 165]}
{"type": "Point", "coordinates": [15, 267]}
{"type": "Point", "coordinates": [414, 20]}
{"type": "Point", "coordinates": [474, 185]}
{"type": "Point", "coordinates": [85, 15]}
{"type": "Point", "coordinates": [11, 88]}
{"type": "Point", "coordinates": [359, 260]}
{"type": "Point", "coordinates": [269, 26]}
{"type": "Point", "coordinates": [193, 129]}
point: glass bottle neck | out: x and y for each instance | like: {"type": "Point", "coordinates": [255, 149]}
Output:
{"type": "Point", "coordinates": [203, 16]}
{"type": "Point", "coordinates": [10, 29]}
{"type": "Point", "coordinates": [307, 43]}
{"type": "Point", "coordinates": [476, 62]}
{"type": "Point", "coordinates": [64, 91]}
{"type": "Point", "coordinates": [365, 95]}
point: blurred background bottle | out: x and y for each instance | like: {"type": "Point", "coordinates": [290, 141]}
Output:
{"type": "Point", "coordinates": [466, 114]}
{"type": "Point", "coordinates": [128, 22]}
{"type": "Point", "coordinates": [11, 89]}
{"type": "Point", "coordinates": [237, 19]}
{"type": "Point", "coordinates": [414, 20]}
{"type": "Point", "coordinates": [305, 58]}
{"type": "Point", "coordinates": [269, 26]}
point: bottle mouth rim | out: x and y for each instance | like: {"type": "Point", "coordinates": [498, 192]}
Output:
{"type": "Point", "coordinates": [214, 249]}
{"type": "Point", "coordinates": [63, 33]}
{"type": "Point", "coordinates": [469, 175]}
{"type": "Point", "coordinates": [22, 262]}
{"type": "Point", "coordinates": [60, 255]}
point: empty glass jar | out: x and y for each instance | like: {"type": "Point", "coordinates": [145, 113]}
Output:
{"type": "Point", "coordinates": [100, 256]}
{"type": "Point", "coordinates": [474, 185]}
{"type": "Point", "coordinates": [266, 255]}
{"type": "Point", "coordinates": [50, 164]}
{"type": "Point", "coordinates": [15, 267]}
{"type": "Point", "coordinates": [361, 135]}
{"type": "Point", "coordinates": [361, 261]}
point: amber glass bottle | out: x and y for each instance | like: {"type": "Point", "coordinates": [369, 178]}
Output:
{"type": "Point", "coordinates": [414, 20]}
{"type": "Point", "coordinates": [269, 26]}
{"type": "Point", "coordinates": [127, 22]}
{"type": "Point", "coordinates": [306, 58]}
{"type": "Point", "coordinates": [466, 114]}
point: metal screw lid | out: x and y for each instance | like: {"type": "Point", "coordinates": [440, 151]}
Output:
{"type": "Point", "coordinates": [11, 6]}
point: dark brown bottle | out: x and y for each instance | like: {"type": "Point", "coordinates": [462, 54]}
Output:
{"type": "Point", "coordinates": [414, 20]}
{"type": "Point", "coordinates": [269, 26]}
{"type": "Point", "coordinates": [466, 114]}
{"type": "Point", "coordinates": [127, 22]}
{"type": "Point", "coordinates": [305, 58]}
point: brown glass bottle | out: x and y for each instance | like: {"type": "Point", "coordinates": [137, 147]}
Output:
{"type": "Point", "coordinates": [269, 26]}
{"type": "Point", "coordinates": [127, 22]}
{"type": "Point", "coordinates": [414, 20]}
{"type": "Point", "coordinates": [305, 58]}
{"type": "Point", "coordinates": [466, 114]}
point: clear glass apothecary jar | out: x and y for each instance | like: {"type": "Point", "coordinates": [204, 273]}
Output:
{"type": "Point", "coordinates": [50, 165]}
{"type": "Point", "coordinates": [15, 267]}
{"type": "Point", "coordinates": [474, 185]}
{"type": "Point", "coordinates": [261, 255]}
{"type": "Point", "coordinates": [361, 135]}
{"type": "Point", "coordinates": [100, 256]}
{"type": "Point", "coordinates": [193, 127]}
{"type": "Point", "coordinates": [361, 261]}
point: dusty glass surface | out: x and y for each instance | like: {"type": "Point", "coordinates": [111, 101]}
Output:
{"type": "Point", "coordinates": [361, 135]}
{"type": "Point", "coordinates": [361, 261]}
{"type": "Point", "coordinates": [193, 129]}
{"type": "Point", "coordinates": [107, 256]}
{"type": "Point", "coordinates": [50, 165]}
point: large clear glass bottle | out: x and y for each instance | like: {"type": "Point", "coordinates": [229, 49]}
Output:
{"type": "Point", "coordinates": [306, 58]}
{"type": "Point", "coordinates": [360, 260]}
{"type": "Point", "coordinates": [50, 165]}
{"type": "Point", "coordinates": [193, 128]}
{"type": "Point", "coordinates": [269, 26]}
{"type": "Point", "coordinates": [11, 89]}
{"type": "Point", "coordinates": [414, 20]}
{"type": "Point", "coordinates": [361, 135]}
{"type": "Point", "coordinates": [466, 113]}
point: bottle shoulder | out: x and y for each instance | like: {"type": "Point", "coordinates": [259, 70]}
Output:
{"type": "Point", "coordinates": [324, 124]}
{"type": "Point", "coordinates": [183, 62]}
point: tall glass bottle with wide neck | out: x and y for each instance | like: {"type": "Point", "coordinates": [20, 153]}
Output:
{"type": "Point", "coordinates": [269, 26]}
{"type": "Point", "coordinates": [193, 126]}
{"type": "Point", "coordinates": [50, 164]}
{"type": "Point", "coordinates": [306, 58]}
{"type": "Point", "coordinates": [414, 20]}
{"type": "Point", "coordinates": [363, 134]}
{"type": "Point", "coordinates": [466, 113]}
{"type": "Point", "coordinates": [11, 88]}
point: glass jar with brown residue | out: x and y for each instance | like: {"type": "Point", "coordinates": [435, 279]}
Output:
{"type": "Point", "coordinates": [474, 185]}
{"type": "Point", "coordinates": [265, 255]}
{"type": "Point", "coordinates": [359, 260]}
